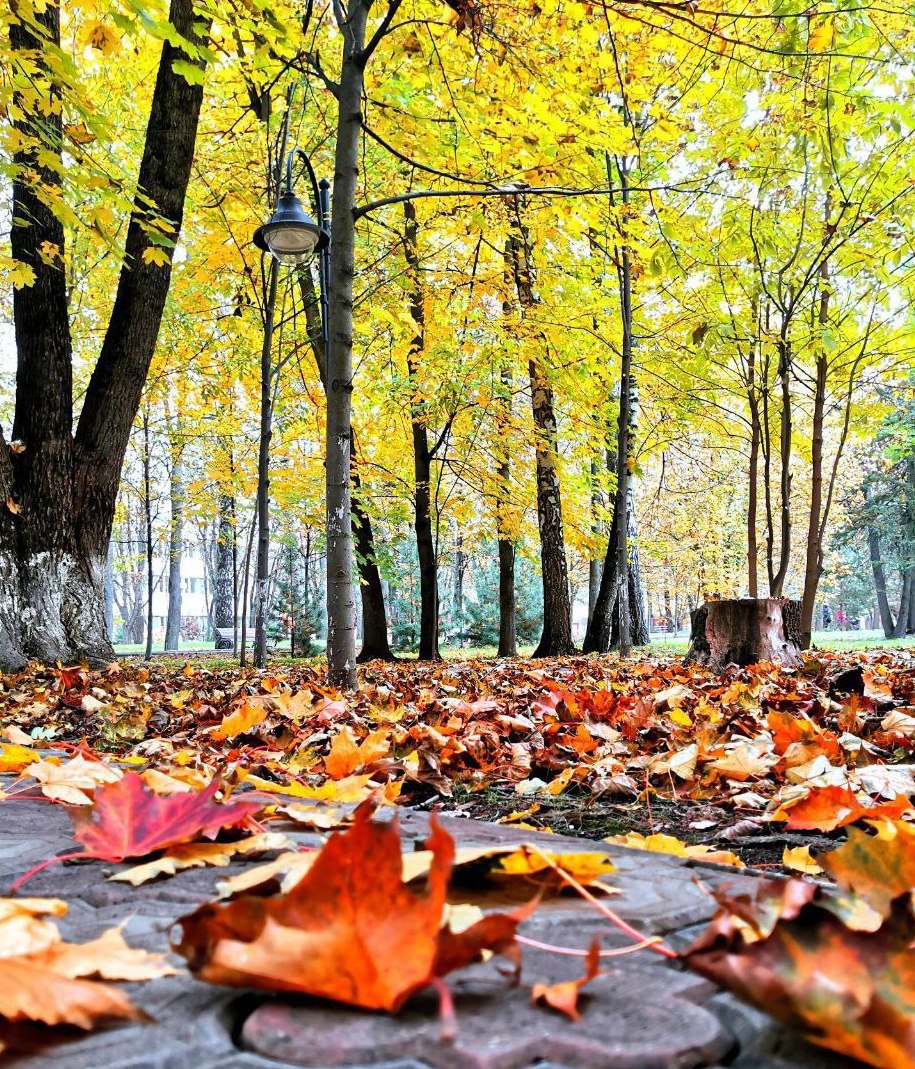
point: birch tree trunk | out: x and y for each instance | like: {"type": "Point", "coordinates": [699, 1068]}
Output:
{"type": "Point", "coordinates": [175, 552]}
{"type": "Point", "coordinates": [223, 606]}
{"type": "Point", "coordinates": [341, 615]}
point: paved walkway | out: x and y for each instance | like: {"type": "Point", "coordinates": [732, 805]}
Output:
{"type": "Point", "coordinates": [645, 1014]}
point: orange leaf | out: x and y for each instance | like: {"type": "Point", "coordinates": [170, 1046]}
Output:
{"type": "Point", "coordinates": [245, 717]}
{"type": "Point", "coordinates": [848, 990]}
{"type": "Point", "coordinates": [828, 808]}
{"type": "Point", "coordinates": [349, 930]}
{"type": "Point", "coordinates": [346, 757]}
{"type": "Point", "coordinates": [564, 997]}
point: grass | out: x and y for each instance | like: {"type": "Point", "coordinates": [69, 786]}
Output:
{"type": "Point", "coordinates": [663, 645]}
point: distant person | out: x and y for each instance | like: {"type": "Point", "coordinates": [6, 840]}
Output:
{"type": "Point", "coordinates": [827, 617]}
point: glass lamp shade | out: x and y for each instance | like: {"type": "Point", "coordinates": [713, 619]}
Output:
{"type": "Point", "coordinates": [291, 235]}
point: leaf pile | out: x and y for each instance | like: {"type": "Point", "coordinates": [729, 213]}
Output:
{"type": "Point", "coordinates": [818, 746]}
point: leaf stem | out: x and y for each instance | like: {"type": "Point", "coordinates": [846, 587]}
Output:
{"type": "Point", "coordinates": [605, 911]}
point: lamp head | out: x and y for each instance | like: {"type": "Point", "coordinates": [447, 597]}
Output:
{"type": "Point", "coordinates": [291, 235]}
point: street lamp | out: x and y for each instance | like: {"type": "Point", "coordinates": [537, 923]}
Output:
{"type": "Point", "coordinates": [290, 237]}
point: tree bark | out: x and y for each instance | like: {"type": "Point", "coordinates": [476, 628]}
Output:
{"type": "Point", "coordinates": [175, 553]}
{"type": "Point", "coordinates": [753, 472]}
{"type": "Point", "coordinates": [741, 631]}
{"type": "Point", "coordinates": [262, 566]}
{"type": "Point", "coordinates": [813, 558]}
{"type": "Point", "coordinates": [64, 488]}
{"type": "Point", "coordinates": [876, 558]}
{"type": "Point", "coordinates": [777, 577]}
{"type": "Point", "coordinates": [556, 638]}
{"type": "Point", "coordinates": [147, 508]}
{"type": "Point", "coordinates": [508, 639]}
{"type": "Point", "coordinates": [422, 454]}
{"type": "Point", "coordinates": [223, 606]}
{"type": "Point", "coordinates": [341, 616]}
{"type": "Point", "coordinates": [375, 643]}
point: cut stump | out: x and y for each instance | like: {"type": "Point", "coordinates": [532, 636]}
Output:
{"type": "Point", "coordinates": [743, 631]}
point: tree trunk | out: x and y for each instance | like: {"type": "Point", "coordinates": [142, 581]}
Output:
{"type": "Point", "coordinates": [595, 564]}
{"type": "Point", "coordinates": [460, 565]}
{"type": "Point", "coordinates": [743, 631]}
{"type": "Point", "coordinates": [262, 567]}
{"type": "Point", "coordinates": [64, 489]}
{"type": "Point", "coordinates": [813, 559]}
{"type": "Point", "coordinates": [147, 508]}
{"type": "Point", "coordinates": [508, 639]}
{"type": "Point", "coordinates": [422, 455]}
{"type": "Point", "coordinates": [223, 605]}
{"type": "Point", "coordinates": [876, 557]}
{"type": "Point", "coordinates": [341, 616]}
{"type": "Point", "coordinates": [613, 592]}
{"type": "Point", "coordinates": [109, 591]}
{"type": "Point", "coordinates": [777, 578]}
{"type": "Point", "coordinates": [753, 473]}
{"type": "Point", "coordinates": [556, 638]}
{"type": "Point", "coordinates": [375, 643]}
{"type": "Point", "coordinates": [175, 552]}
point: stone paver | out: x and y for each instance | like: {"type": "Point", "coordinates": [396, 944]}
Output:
{"type": "Point", "coordinates": [644, 1014]}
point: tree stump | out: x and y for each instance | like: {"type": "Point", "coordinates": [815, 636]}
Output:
{"type": "Point", "coordinates": [742, 631]}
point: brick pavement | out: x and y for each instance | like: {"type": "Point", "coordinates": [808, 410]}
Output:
{"type": "Point", "coordinates": [644, 1014]}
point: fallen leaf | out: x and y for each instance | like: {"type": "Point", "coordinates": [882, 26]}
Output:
{"type": "Point", "coordinates": [659, 843]}
{"type": "Point", "coordinates": [289, 868]}
{"type": "Point", "coordinates": [200, 855]}
{"type": "Point", "coordinates": [245, 717]}
{"type": "Point", "coordinates": [828, 808]}
{"type": "Point", "coordinates": [848, 990]}
{"type": "Point", "coordinates": [799, 859]}
{"type": "Point", "coordinates": [564, 996]}
{"type": "Point", "coordinates": [68, 782]}
{"type": "Point", "coordinates": [14, 758]}
{"type": "Point", "coordinates": [128, 820]}
{"type": "Point", "coordinates": [346, 757]}
{"type": "Point", "coordinates": [349, 930]}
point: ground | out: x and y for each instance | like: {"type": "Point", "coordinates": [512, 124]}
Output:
{"type": "Point", "coordinates": [589, 746]}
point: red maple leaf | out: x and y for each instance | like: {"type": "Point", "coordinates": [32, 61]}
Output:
{"type": "Point", "coordinates": [130, 820]}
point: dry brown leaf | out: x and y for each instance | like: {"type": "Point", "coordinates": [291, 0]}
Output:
{"type": "Point", "coordinates": [200, 855]}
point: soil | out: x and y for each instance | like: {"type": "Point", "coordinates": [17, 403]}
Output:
{"type": "Point", "coordinates": [758, 844]}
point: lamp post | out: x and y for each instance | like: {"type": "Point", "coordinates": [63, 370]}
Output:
{"type": "Point", "coordinates": [291, 236]}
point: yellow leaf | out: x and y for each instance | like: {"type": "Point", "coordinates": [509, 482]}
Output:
{"type": "Point", "coordinates": [102, 38]}
{"type": "Point", "coordinates": [587, 867]}
{"type": "Point", "coordinates": [821, 36]}
{"type": "Point", "coordinates": [242, 719]}
{"type": "Point", "coordinates": [155, 254]}
{"type": "Point", "coordinates": [669, 844]}
{"type": "Point", "coordinates": [350, 789]}
{"type": "Point", "coordinates": [15, 758]}
{"type": "Point", "coordinates": [799, 859]}
{"type": "Point", "coordinates": [20, 274]}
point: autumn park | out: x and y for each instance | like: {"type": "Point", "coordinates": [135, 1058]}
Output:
{"type": "Point", "coordinates": [457, 534]}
